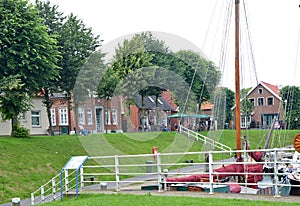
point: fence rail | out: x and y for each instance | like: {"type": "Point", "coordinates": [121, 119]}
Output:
{"type": "Point", "coordinates": [123, 171]}
{"type": "Point", "coordinates": [204, 139]}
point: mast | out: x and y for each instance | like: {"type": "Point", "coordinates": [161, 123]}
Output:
{"type": "Point", "coordinates": [237, 78]}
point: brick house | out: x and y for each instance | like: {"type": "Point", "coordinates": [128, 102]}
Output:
{"type": "Point", "coordinates": [148, 116]}
{"type": "Point", "coordinates": [267, 106]}
{"type": "Point", "coordinates": [206, 108]}
{"type": "Point", "coordinates": [95, 115]}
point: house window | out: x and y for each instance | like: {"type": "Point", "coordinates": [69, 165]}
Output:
{"type": "Point", "coordinates": [270, 101]}
{"type": "Point", "coordinates": [252, 101]}
{"type": "Point", "coordinates": [81, 115]}
{"type": "Point", "coordinates": [245, 122]}
{"type": "Point", "coordinates": [89, 116]}
{"type": "Point", "coordinates": [114, 117]}
{"type": "Point", "coordinates": [63, 116]}
{"type": "Point", "coordinates": [260, 91]}
{"type": "Point", "coordinates": [53, 117]}
{"type": "Point", "coordinates": [107, 115]}
{"type": "Point", "coordinates": [35, 118]}
{"type": "Point", "coordinates": [260, 101]}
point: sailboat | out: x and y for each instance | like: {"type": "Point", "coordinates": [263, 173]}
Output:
{"type": "Point", "coordinates": [251, 173]}
{"type": "Point", "coordinates": [232, 169]}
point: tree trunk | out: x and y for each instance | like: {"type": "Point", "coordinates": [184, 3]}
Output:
{"type": "Point", "coordinates": [48, 103]}
{"type": "Point", "coordinates": [14, 124]}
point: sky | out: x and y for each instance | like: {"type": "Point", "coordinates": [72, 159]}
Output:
{"type": "Point", "coordinates": [273, 28]}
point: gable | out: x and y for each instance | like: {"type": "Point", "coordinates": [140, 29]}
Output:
{"type": "Point", "coordinates": [272, 89]}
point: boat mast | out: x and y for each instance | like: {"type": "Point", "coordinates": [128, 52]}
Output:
{"type": "Point", "coordinates": [237, 78]}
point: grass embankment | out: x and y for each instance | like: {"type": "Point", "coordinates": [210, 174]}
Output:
{"type": "Point", "coordinates": [26, 164]}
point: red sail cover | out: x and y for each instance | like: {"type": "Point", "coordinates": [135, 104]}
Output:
{"type": "Point", "coordinates": [226, 171]}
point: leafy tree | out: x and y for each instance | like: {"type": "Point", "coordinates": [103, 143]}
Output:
{"type": "Point", "coordinates": [291, 102]}
{"type": "Point", "coordinates": [246, 107]}
{"type": "Point", "coordinates": [229, 98]}
{"type": "Point", "coordinates": [26, 50]}
{"type": "Point", "coordinates": [128, 59]}
{"type": "Point", "coordinates": [53, 19]}
{"type": "Point", "coordinates": [244, 92]}
{"type": "Point", "coordinates": [130, 56]}
{"type": "Point", "coordinates": [77, 43]}
{"type": "Point", "coordinates": [106, 88]}
{"type": "Point", "coordinates": [10, 97]}
{"type": "Point", "coordinates": [201, 74]}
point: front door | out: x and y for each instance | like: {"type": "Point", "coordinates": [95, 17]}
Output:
{"type": "Point", "coordinates": [99, 120]}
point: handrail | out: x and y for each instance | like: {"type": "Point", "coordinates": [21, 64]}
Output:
{"type": "Point", "coordinates": [204, 139]}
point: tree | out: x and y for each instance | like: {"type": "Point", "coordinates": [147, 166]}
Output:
{"type": "Point", "coordinates": [202, 75]}
{"type": "Point", "coordinates": [106, 89]}
{"type": "Point", "coordinates": [77, 43]}
{"type": "Point", "coordinates": [229, 98]}
{"type": "Point", "coordinates": [26, 50]}
{"type": "Point", "coordinates": [53, 19]}
{"type": "Point", "coordinates": [13, 102]}
{"type": "Point", "coordinates": [246, 107]}
{"type": "Point", "coordinates": [130, 57]}
{"type": "Point", "coordinates": [291, 102]}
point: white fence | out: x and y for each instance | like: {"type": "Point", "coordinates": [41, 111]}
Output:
{"type": "Point", "coordinates": [204, 139]}
{"type": "Point", "coordinates": [123, 172]}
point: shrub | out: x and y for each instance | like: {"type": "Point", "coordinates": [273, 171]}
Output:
{"type": "Point", "coordinates": [21, 132]}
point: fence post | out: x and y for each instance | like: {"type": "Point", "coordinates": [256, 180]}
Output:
{"type": "Point", "coordinates": [53, 188]}
{"type": "Point", "coordinates": [81, 178]}
{"type": "Point", "coordinates": [160, 178]}
{"type": "Point", "coordinates": [66, 180]}
{"type": "Point", "coordinates": [42, 194]}
{"type": "Point", "coordinates": [211, 176]}
{"type": "Point", "coordinates": [32, 198]}
{"type": "Point", "coordinates": [276, 173]}
{"type": "Point", "coordinates": [117, 173]}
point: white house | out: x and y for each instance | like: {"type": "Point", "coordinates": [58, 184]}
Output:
{"type": "Point", "coordinates": [35, 120]}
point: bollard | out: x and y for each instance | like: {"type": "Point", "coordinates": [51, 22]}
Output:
{"type": "Point", "coordinates": [16, 201]}
{"type": "Point", "coordinates": [103, 186]}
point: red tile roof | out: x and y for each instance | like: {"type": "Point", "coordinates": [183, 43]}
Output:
{"type": "Point", "coordinates": [207, 106]}
{"type": "Point", "coordinates": [170, 99]}
{"type": "Point", "coordinates": [272, 87]}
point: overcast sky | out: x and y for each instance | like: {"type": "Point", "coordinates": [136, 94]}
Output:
{"type": "Point", "coordinates": [274, 27]}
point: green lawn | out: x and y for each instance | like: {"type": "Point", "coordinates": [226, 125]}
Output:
{"type": "Point", "coordinates": [26, 164]}
{"type": "Point", "coordinates": [148, 199]}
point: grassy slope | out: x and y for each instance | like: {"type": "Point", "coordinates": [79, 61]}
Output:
{"type": "Point", "coordinates": [26, 164]}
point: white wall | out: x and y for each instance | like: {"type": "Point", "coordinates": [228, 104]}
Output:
{"type": "Point", "coordinates": [5, 126]}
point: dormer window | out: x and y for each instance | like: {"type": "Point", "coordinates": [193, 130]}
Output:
{"type": "Point", "coordinates": [260, 91]}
